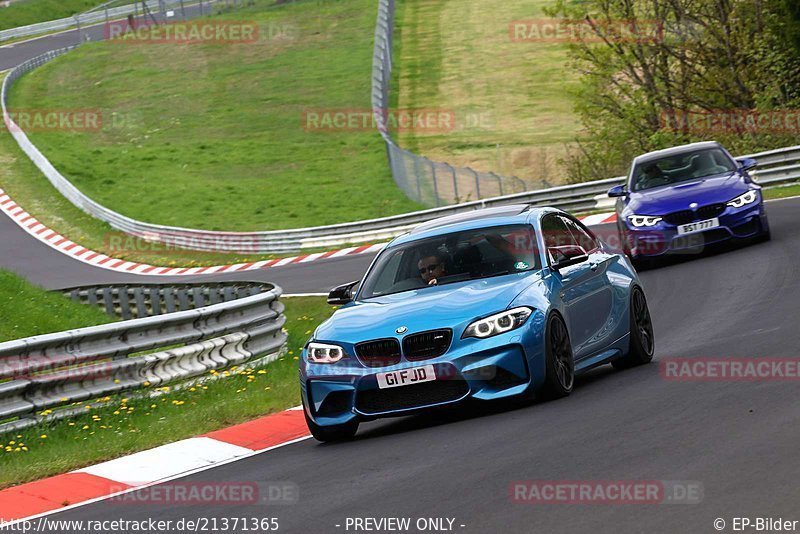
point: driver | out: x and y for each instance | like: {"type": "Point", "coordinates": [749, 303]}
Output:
{"type": "Point", "coordinates": [431, 268]}
{"type": "Point", "coordinates": [652, 175]}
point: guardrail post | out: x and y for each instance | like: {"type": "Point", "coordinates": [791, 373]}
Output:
{"type": "Point", "coordinates": [477, 182]}
{"type": "Point", "coordinates": [455, 181]}
{"type": "Point", "coordinates": [417, 174]}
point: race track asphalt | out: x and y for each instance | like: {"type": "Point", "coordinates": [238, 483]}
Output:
{"type": "Point", "coordinates": [738, 439]}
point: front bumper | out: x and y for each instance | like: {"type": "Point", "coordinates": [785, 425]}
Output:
{"type": "Point", "coordinates": [493, 368]}
{"type": "Point", "coordinates": [735, 223]}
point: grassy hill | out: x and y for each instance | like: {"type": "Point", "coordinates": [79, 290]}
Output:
{"type": "Point", "coordinates": [513, 110]}
{"type": "Point", "coordinates": [28, 310]}
{"type": "Point", "coordinates": [213, 135]}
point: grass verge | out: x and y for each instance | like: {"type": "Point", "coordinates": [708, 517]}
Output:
{"type": "Point", "coordinates": [514, 113]}
{"type": "Point", "coordinates": [782, 192]}
{"type": "Point", "coordinates": [25, 12]}
{"type": "Point", "coordinates": [218, 129]}
{"type": "Point", "coordinates": [28, 310]}
{"type": "Point", "coordinates": [126, 425]}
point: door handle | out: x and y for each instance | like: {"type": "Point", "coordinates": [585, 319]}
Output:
{"type": "Point", "coordinates": [593, 266]}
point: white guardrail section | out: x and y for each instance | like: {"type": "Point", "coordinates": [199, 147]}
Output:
{"type": "Point", "coordinates": [215, 327]}
{"type": "Point", "coordinates": [774, 167]}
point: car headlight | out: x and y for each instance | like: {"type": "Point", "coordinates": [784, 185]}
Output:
{"type": "Point", "coordinates": [643, 220]}
{"type": "Point", "coordinates": [498, 323]}
{"type": "Point", "coordinates": [324, 353]}
{"type": "Point", "coordinates": [742, 200]}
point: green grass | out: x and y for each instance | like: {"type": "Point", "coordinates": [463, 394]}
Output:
{"type": "Point", "coordinates": [514, 113]}
{"type": "Point", "coordinates": [28, 310]}
{"type": "Point", "coordinates": [122, 427]}
{"type": "Point", "coordinates": [782, 192]}
{"type": "Point", "coordinates": [211, 135]}
{"type": "Point", "coordinates": [25, 12]}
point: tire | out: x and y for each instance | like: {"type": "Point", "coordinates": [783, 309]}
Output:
{"type": "Point", "coordinates": [559, 364]}
{"type": "Point", "coordinates": [324, 434]}
{"type": "Point", "coordinates": [642, 341]}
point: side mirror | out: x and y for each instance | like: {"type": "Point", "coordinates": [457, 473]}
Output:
{"type": "Point", "coordinates": [618, 191]}
{"type": "Point", "coordinates": [564, 256]}
{"type": "Point", "coordinates": [342, 294]}
{"type": "Point", "coordinates": [745, 164]}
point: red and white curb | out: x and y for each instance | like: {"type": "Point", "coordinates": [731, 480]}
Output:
{"type": "Point", "coordinates": [60, 243]}
{"type": "Point", "coordinates": [154, 466]}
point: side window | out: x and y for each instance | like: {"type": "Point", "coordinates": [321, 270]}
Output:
{"type": "Point", "coordinates": [584, 239]}
{"type": "Point", "coordinates": [556, 234]}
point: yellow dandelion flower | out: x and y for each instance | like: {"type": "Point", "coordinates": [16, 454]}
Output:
{"type": "Point", "coordinates": [43, 436]}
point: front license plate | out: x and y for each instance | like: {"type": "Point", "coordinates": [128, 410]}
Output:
{"type": "Point", "coordinates": [405, 377]}
{"type": "Point", "coordinates": [698, 226]}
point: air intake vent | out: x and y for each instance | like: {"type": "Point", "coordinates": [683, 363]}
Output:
{"type": "Point", "coordinates": [427, 345]}
{"type": "Point", "coordinates": [379, 353]}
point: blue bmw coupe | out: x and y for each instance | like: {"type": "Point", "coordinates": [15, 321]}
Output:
{"type": "Point", "coordinates": [495, 303]}
{"type": "Point", "coordinates": [686, 197]}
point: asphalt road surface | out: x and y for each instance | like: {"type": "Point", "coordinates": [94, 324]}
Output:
{"type": "Point", "coordinates": [739, 440]}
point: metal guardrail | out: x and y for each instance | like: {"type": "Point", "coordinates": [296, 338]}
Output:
{"type": "Point", "coordinates": [775, 166]}
{"type": "Point", "coordinates": [52, 372]}
{"type": "Point", "coordinates": [429, 182]}
{"type": "Point", "coordinates": [147, 300]}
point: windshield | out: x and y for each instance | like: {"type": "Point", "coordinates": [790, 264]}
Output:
{"type": "Point", "coordinates": [455, 257]}
{"type": "Point", "coordinates": [681, 168]}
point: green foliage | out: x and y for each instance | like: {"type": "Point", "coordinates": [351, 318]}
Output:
{"type": "Point", "coordinates": [695, 59]}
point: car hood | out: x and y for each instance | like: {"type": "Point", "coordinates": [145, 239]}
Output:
{"type": "Point", "coordinates": [446, 306]}
{"type": "Point", "coordinates": [703, 191]}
